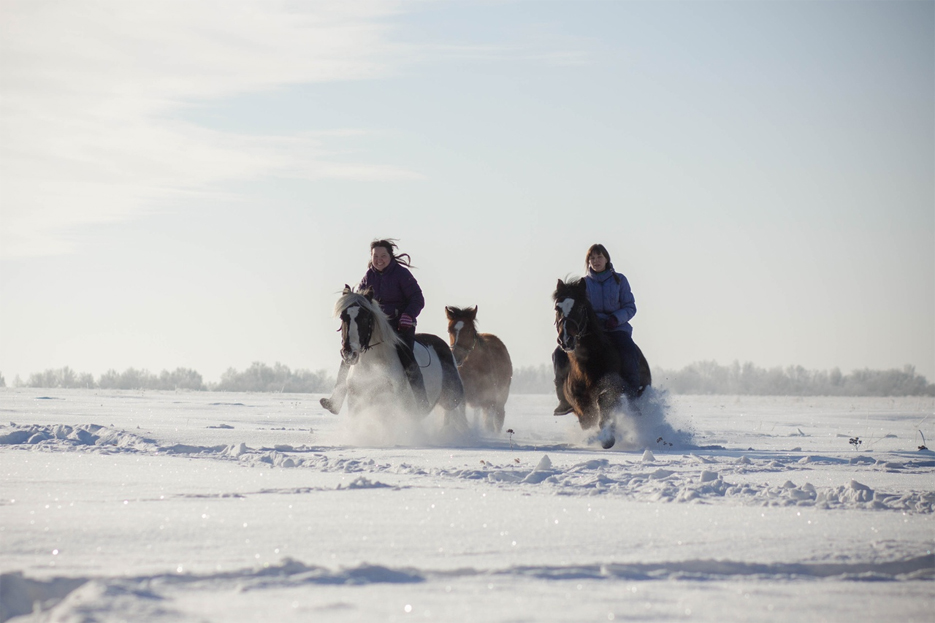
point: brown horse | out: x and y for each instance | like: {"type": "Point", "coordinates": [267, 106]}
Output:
{"type": "Point", "coordinates": [594, 380]}
{"type": "Point", "coordinates": [484, 364]}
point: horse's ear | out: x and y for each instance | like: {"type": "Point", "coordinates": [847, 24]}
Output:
{"type": "Point", "coordinates": [472, 313]}
{"type": "Point", "coordinates": [367, 293]}
{"type": "Point", "coordinates": [347, 289]}
{"type": "Point", "coordinates": [449, 312]}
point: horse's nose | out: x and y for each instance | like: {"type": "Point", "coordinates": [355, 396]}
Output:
{"type": "Point", "coordinates": [566, 341]}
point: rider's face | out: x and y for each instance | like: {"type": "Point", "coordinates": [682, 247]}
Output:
{"type": "Point", "coordinates": [597, 261]}
{"type": "Point", "coordinates": [380, 258]}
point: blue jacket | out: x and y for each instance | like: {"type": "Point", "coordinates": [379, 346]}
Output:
{"type": "Point", "coordinates": [396, 290]}
{"type": "Point", "coordinates": [610, 295]}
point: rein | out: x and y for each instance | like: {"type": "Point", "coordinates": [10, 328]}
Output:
{"type": "Point", "coordinates": [469, 350]}
{"type": "Point", "coordinates": [578, 326]}
{"type": "Point", "coordinates": [364, 349]}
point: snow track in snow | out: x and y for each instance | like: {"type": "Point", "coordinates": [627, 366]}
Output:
{"type": "Point", "coordinates": [691, 478]}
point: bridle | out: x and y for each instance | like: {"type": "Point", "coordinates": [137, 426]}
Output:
{"type": "Point", "coordinates": [578, 328]}
{"type": "Point", "coordinates": [470, 350]}
{"type": "Point", "coordinates": [364, 333]}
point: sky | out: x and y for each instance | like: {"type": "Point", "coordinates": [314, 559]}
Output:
{"type": "Point", "coordinates": [191, 184]}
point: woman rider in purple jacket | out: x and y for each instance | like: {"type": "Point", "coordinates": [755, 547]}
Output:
{"type": "Point", "coordinates": [400, 298]}
{"type": "Point", "coordinates": [613, 302]}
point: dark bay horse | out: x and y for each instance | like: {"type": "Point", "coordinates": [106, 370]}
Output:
{"type": "Point", "coordinates": [484, 363]}
{"type": "Point", "coordinates": [377, 379]}
{"type": "Point", "coordinates": [595, 381]}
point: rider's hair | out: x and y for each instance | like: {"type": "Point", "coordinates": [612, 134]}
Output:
{"type": "Point", "coordinates": [390, 245]}
{"type": "Point", "coordinates": [596, 248]}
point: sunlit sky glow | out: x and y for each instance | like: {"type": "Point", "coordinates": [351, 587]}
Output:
{"type": "Point", "coordinates": [192, 183]}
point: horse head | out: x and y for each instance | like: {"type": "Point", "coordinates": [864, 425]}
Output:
{"type": "Point", "coordinates": [356, 331]}
{"type": "Point", "coordinates": [571, 312]}
{"type": "Point", "coordinates": [359, 318]}
{"type": "Point", "coordinates": [462, 331]}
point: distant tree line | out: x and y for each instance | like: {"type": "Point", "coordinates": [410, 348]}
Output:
{"type": "Point", "coordinates": [708, 377]}
{"type": "Point", "coordinates": [131, 378]}
{"type": "Point", "coordinates": [533, 380]}
{"type": "Point", "coordinates": [259, 377]}
{"type": "Point", "coordinates": [704, 377]}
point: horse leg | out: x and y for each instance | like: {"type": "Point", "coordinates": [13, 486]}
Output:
{"type": "Point", "coordinates": [498, 414]}
{"type": "Point", "coordinates": [493, 419]}
{"type": "Point", "coordinates": [608, 400]}
{"type": "Point", "coordinates": [452, 395]}
{"type": "Point", "coordinates": [336, 400]}
{"type": "Point", "coordinates": [476, 415]}
{"type": "Point", "coordinates": [591, 413]}
{"type": "Point", "coordinates": [646, 376]}
{"type": "Point", "coordinates": [354, 402]}
{"type": "Point", "coordinates": [560, 366]}
{"type": "Point", "coordinates": [451, 398]}
{"type": "Point", "coordinates": [588, 417]}
{"type": "Point", "coordinates": [456, 418]}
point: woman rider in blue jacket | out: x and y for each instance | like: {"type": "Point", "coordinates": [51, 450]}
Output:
{"type": "Point", "coordinates": [400, 297]}
{"type": "Point", "coordinates": [613, 302]}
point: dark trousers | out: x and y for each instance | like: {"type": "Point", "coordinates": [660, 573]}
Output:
{"type": "Point", "coordinates": [408, 336]}
{"type": "Point", "coordinates": [411, 366]}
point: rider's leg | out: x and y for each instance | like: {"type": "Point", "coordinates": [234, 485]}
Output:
{"type": "Point", "coordinates": [334, 403]}
{"type": "Point", "coordinates": [413, 372]}
{"type": "Point", "coordinates": [629, 362]}
{"type": "Point", "coordinates": [560, 367]}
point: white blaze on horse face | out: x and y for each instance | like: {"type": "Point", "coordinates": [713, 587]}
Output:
{"type": "Point", "coordinates": [354, 335]}
{"type": "Point", "coordinates": [458, 326]}
{"type": "Point", "coordinates": [566, 306]}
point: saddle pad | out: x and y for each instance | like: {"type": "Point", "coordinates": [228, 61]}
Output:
{"type": "Point", "coordinates": [422, 354]}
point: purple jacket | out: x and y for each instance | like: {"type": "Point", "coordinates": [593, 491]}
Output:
{"type": "Point", "coordinates": [610, 295]}
{"type": "Point", "coordinates": [396, 290]}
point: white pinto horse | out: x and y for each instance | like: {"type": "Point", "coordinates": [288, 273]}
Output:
{"type": "Point", "coordinates": [377, 380]}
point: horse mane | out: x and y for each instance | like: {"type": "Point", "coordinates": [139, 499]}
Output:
{"type": "Point", "coordinates": [569, 284]}
{"type": "Point", "coordinates": [382, 327]}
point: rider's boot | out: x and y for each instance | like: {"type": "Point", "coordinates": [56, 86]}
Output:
{"type": "Point", "coordinates": [336, 400]}
{"type": "Point", "coordinates": [563, 408]}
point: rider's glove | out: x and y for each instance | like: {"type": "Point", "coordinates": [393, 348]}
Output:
{"type": "Point", "coordinates": [405, 322]}
{"type": "Point", "coordinates": [611, 323]}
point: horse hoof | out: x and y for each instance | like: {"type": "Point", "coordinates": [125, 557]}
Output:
{"type": "Point", "coordinates": [606, 438]}
{"type": "Point", "coordinates": [327, 404]}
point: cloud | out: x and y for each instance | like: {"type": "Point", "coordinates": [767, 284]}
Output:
{"type": "Point", "coordinates": [89, 88]}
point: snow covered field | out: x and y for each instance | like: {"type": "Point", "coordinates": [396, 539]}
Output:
{"type": "Point", "coordinates": [131, 506]}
